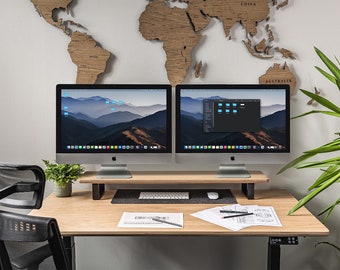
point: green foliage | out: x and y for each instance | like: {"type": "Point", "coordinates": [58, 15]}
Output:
{"type": "Point", "coordinates": [327, 243]}
{"type": "Point", "coordinates": [330, 168]}
{"type": "Point", "coordinates": [62, 174]}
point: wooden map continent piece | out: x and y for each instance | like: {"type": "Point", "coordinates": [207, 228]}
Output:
{"type": "Point", "coordinates": [88, 56]}
{"type": "Point", "coordinates": [278, 75]}
{"type": "Point", "coordinates": [248, 13]}
{"type": "Point", "coordinates": [173, 28]}
{"type": "Point", "coordinates": [45, 8]}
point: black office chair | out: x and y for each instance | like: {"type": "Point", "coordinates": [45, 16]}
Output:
{"type": "Point", "coordinates": [17, 227]}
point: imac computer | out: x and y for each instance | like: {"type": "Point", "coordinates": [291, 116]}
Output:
{"type": "Point", "coordinates": [113, 125]}
{"type": "Point", "coordinates": [232, 125]}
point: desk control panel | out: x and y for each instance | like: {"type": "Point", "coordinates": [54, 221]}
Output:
{"type": "Point", "coordinates": [291, 240]}
{"type": "Point", "coordinates": [274, 250]}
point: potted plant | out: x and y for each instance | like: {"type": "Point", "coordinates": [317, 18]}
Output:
{"type": "Point", "coordinates": [63, 175]}
{"type": "Point", "coordinates": [330, 167]}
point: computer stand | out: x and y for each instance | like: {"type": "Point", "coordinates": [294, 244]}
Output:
{"type": "Point", "coordinates": [237, 171]}
{"type": "Point", "coordinates": [232, 171]}
{"type": "Point", "coordinates": [173, 180]}
{"type": "Point", "coordinates": [108, 171]}
{"type": "Point", "coordinates": [248, 190]}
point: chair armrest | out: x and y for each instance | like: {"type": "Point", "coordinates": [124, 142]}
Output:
{"type": "Point", "coordinates": [32, 258]}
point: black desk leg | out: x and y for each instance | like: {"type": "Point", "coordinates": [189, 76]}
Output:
{"type": "Point", "coordinates": [97, 191]}
{"type": "Point", "coordinates": [273, 259]}
{"type": "Point", "coordinates": [274, 250]}
{"type": "Point", "coordinates": [70, 250]}
{"type": "Point", "coordinates": [248, 190]}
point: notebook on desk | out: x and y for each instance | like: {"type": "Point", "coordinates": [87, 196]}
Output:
{"type": "Point", "coordinates": [127, 196]}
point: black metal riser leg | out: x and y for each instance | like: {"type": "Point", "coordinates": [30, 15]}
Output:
{"type": "Point", "coordinates": [248, 190]}
{"type": "Point", "coordinates": [273, 259]}
{"type": "Point", "coordinates": [97, 191]}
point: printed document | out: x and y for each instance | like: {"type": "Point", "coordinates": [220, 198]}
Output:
{"type": "Point", "coordinates": [151, 220]}
{"type": "Point", "coordinates": [236, 217]}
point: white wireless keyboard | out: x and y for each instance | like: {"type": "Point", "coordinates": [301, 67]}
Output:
{"type": "Point", "coordinates": [166, 195]}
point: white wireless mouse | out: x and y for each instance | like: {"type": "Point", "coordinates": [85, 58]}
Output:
{"type": "Point", "coordinates": [212, 195]}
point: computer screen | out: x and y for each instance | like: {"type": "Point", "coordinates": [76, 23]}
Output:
{"type": "Point", "coordinates": [232, 124]}
{"type": "Point", "coordinates": [113, 125]}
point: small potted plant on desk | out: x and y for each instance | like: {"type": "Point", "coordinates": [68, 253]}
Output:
{"type": "Point", "coordinates": [63, 175]}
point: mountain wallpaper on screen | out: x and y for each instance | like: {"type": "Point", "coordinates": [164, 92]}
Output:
{"type": "Point", "coordinates": [273, 124]}
{"type": "Point", "coordinates": [93, 121]}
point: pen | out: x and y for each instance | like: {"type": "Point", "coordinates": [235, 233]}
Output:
{"type": "Point", "coordinates": [239, 215]}
{"type": "Point", "coordinates": [167, 222]}
{"type": "Point", "coordinates": [231, 211]}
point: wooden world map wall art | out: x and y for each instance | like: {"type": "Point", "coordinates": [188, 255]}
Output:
{"type": "Point", "coordinates": [178, 24]}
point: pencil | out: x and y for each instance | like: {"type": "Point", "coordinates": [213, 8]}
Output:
{"type": "Point", "coordinates": [167, 222]}
{"type": "Point", "coordinates": [231, 211]}
{"type": "Point", "coordinates": [239, 215]}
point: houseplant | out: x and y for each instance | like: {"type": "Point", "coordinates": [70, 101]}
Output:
{"type": "Point", "coordinates": [63, 175]}
{"type": "Point", "coordinates": [330, 167]}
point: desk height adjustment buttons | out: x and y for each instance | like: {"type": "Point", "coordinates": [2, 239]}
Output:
{"type": "Point", "coordinates": [290, 240]}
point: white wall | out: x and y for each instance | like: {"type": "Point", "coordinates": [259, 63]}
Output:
{"type": "Point", "coordinates": [34, 58]}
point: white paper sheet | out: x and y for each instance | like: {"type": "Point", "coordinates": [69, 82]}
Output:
{"type": "Point", "coordinates": [145, 220]}
{"type": "Point", "coordinates": [262, 216]}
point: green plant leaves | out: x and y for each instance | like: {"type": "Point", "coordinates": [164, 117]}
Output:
{"type": "Point", "coordinates": [335, 110]}
{"type": "Point", "coordinates": [327, 243]}
{"type": "Point", "coordinates": [299, 164]}
{"type": "Point", "coordinates": [330, 168]}
{"type": "Point", "coordinates": [327, 174]}
{"type": "Point", "coordinates": [328, 147]}
{"type": "Point", "coordinates": [62, 173]}
{"type": "Point", "coordinates": [315, 192]}
{"type": "Point", "coordinates": [295, 162]}
{"type": "Point", "coordinates": [331, 66]}
{"type": "Point", "coordinates": [329, 210]}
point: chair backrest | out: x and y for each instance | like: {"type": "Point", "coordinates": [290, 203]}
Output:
{"type": "Point", "coordinates": [15, 179]}
{"type": "Point", "coordinates": [23, 228]}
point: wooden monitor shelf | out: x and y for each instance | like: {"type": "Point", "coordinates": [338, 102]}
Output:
{"type": "Point", "coordinates": [172, 179]}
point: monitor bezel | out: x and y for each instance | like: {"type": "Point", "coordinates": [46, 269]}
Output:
{"type": "Point", "coordinates": [84, 156]}
{"type": "Point", "coordinates": [204, 87]}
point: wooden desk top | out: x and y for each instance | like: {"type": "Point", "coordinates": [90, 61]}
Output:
{"type": "Point", "coordinates": [173, 177]}
{"type": "Point", "coordinates": [79, 215]}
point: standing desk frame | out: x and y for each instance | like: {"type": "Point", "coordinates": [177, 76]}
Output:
{"type": "Point", "coordinates": [80, 215]}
